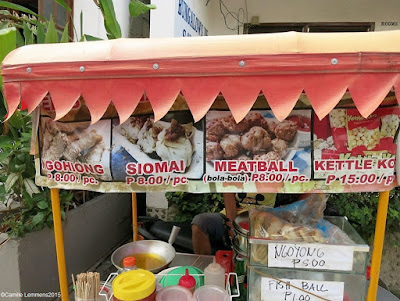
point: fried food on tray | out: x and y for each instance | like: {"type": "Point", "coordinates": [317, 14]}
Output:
{"type": "Point", "coordinates": [243, 158]}
{"type": "Point", "coordinates": [260, 138]}
{"type": "Point", "coordinates": [72, 142]}
{"type": "Point", "coordinates": [214, 151]}
{"type": "Point", "coordinates": [55, 147]}
{"type": "Point", "coordinates": [270, 156]}
{"type": "Point", "coordinates": [279, 146]}
{"type": "Point", "coordinates": [86, 141]}
{"type": "Point", "coordinates": [270, 127]}
{"type": "Point", "coordinates": [231, 145]}
{"type": "Point", "coordinates": [286, 130]}
{"type": "Point", "coordinates": [229, 124]}
{"type": "Point", "coordinates": [256, 140]}
{"type": "Point", "coordinates": [215, 130]}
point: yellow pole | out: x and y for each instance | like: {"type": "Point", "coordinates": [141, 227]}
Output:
{"type": "Point", "coordinates": [134, 217]}
{"type": "Point", "coordinates": [62, 271]}
{"type": "Point", "coordinates": [378, 244]}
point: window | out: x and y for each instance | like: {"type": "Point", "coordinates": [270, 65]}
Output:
{"type": "Point", "coordinates": [309, 27]}
{"type": "Point", "coordinates": [60, 15]}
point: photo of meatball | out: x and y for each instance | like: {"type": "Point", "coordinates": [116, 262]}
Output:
{"type": "Point", "coordinates": [243, 158]}
{"type": "Point", "coordinates": [215, 130]}
{"type": "Point", "coordinates": [214, 151]}
{"type": "Point", "coordinates": [229, 123]}
{"type": "Point", "coordinates": [286, 130]}
{"type": "Point", "coordinates": [271, 156]}
{"type": "Point", "coordinates": [231, 145]}
{"type": "Point", "coordinates": [236, 128]}
{"type": "Point", "coordinates": [280, 146]}
{"type": "Point", "coordinates": [269, 126]}
{"type": "Point", "coordinates": [256, 140]}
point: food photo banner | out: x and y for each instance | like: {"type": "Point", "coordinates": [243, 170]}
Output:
{"type": "Point", "coordinates": [343, 152]}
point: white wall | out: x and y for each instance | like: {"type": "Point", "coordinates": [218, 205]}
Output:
{"type": "Point", "coordinates": [165, 21]}
{"type": "Point", "coordinates": [156, 200]}
{"type": "Point", "coordinates": [93, 22]}
{"type": "Point", "coordinates": [276, 11]}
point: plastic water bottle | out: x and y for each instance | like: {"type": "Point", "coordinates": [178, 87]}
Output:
{"type": "Point", "coordinates": [214, 274]}
{"type": "Point", "coordinates": [129, 264]}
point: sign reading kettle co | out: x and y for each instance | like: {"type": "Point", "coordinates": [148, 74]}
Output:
{"type": "Point", "coordinates": [187, 22]}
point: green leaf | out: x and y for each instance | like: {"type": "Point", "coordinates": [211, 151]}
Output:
{"type": "Point", "coordinates": [65, 35]}
{"type": "Point", "coordinates": [38, 218]}
{"type": "Point", "coordinates": [31, 187]}
{"type": "Point", "coordinates": [43, 205]}
{"type": "Point", "coordinates": [8, 42]}
{"type": "Point", "coordinates": [136, 8]}
{"type": "Point", "coordinates": [16, 120]}
{"type": "Point", "coordinates": [4, 155]}
{"type": "Point", "coordinates": [28, 34]}
{"type": "Point", "coordinates": [90, 38]}
{"type": "Point", "coordinates": [11, 180]}
{"type": "Point", "coordinates": [3, 24]}
{"type": "Point", "coordinates": [20, 39]}
{"type": "Point", "coordinates": [110, 20]}
{"type": "Point", "coordinates": [81, 26]}
{"type": "Point", "coordinates": [51, 34]}
{"type": "Point", "coordinates": [40, 36]}
{"type": "Point", "coordinates": [20, 8]}
{"type": "Point", "coordinates": [15, 167]}
{"type": "Point", "coordinates": [64, 4]}
{"type": "Point", "coordinates": [6, 141]}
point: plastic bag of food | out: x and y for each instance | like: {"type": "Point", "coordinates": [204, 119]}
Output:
{"type": "Point", "coordinates": [307, 211]}
{"type": "Point", "coordinates": [269, 226]}
{"type": "Point", "coordinates": [332, 233]}
{"type": "Point", "coordinates": [266, 225]}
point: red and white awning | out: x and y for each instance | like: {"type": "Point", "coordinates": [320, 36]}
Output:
{"type": "Point", "coordinates": [281, 66]}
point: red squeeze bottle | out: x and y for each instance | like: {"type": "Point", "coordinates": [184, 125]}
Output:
{"type": "Point", "coordinates": [188, 281]}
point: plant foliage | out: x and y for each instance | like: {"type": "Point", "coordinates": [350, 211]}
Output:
{"type": "Point", "coordinates": [189, 205]}
{"type": "Point", "coordinates": [17, 166]}
{"type": "Point", "coordinates": [113, 29]}
{"type": "Point", "coordinates": [361, 208]}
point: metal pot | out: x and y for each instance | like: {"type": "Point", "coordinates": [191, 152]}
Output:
{"type": "Point", "coordinates": [165, 250]}
{"type": "Point", "coordinates": [240, 238]}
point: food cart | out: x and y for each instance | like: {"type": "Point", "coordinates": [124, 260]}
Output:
{"type": "Point", "coordinates": [180, 90]}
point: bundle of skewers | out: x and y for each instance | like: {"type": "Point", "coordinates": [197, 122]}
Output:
{"type": "Point", "coordinates": [86, 286]}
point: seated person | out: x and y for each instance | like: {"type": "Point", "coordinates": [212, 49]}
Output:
{"type": "Point", "coordinates": [211, 227]}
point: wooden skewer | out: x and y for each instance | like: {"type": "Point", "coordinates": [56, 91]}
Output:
{"type": "Point", "coordinates": [87, 286]}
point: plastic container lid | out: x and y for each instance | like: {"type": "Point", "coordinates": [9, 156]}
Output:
{"type": "Point", "coordinates": [174, 293]}
{"type": "Point", "coordinates": [187, 280]}
{"type": "Point", "coordinates": [211, 293]}
{"type": "Point", "coordinates": [129, 261]}
{"type": "Point", "coordinates": [134, 285]}
{"type": "Point", "coordinates": [180, 271]}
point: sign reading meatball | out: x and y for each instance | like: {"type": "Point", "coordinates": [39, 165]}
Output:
{"type": "Point", "coordinates": [258, 137]}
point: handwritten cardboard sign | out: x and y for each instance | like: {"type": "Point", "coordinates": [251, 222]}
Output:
{"type": "Point", "coordinates": [310, 256]}
{"type": "Point", "coordinates": [287, 290]}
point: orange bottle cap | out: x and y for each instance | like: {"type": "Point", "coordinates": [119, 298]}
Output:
{"type": "Point", "coordinates": [129, 261]}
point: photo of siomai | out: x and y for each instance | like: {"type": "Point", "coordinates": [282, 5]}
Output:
{"type": "Point", "coordinates": [140, 139]}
